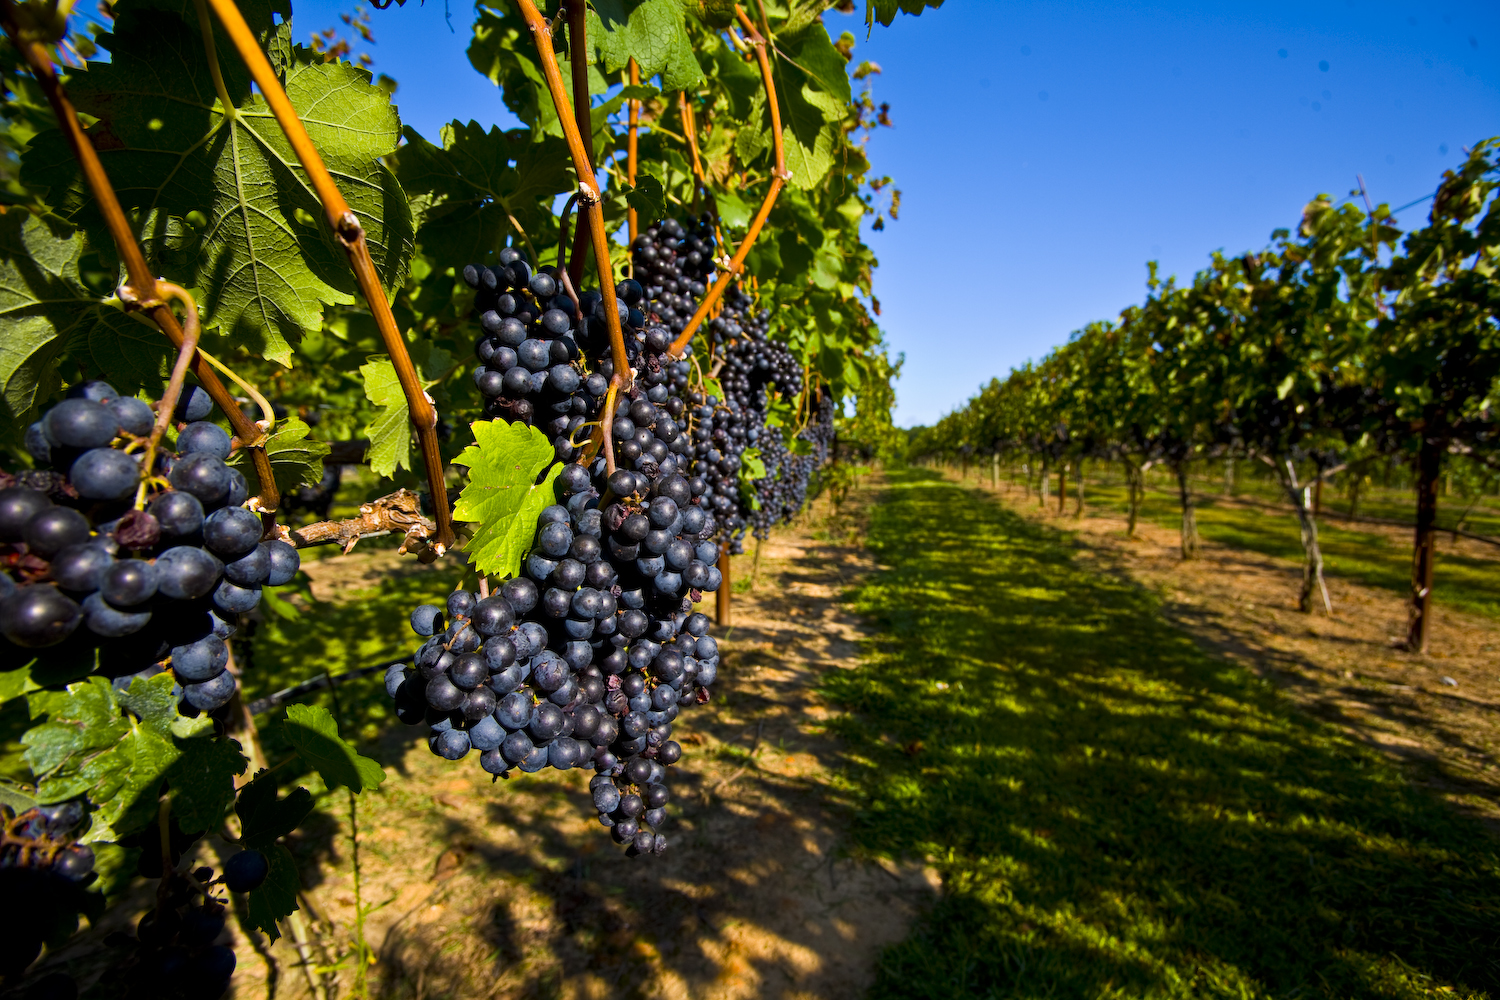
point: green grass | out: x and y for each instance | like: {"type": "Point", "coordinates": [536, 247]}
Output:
{"type": "Point", "coordinates": [1114, 812]}
{"type": "Point", "coordinates": [1461, 582]}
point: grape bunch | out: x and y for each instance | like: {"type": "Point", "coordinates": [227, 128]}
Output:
{"type": "Point", "coordinates": [671, 265]}
{"type": "Point", "coordinates": [755, 369]}
{"type": "Point", "coordinates": [586, 658]}
{"type": "Point", "coordinates": [151, 576]}
{"type": "Point", "coordinates": [782, 493]}
{"type": "Point", "coordinates": [173, 954]}
{"type": "Point", "coordinates": [40, 863]}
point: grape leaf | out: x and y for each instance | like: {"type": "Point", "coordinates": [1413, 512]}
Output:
{"type": "Point", "coordinates": [89, 746]}
{"type": "Point", "coordinates": [277, 895]}
{"type": "Point", "coordinates": [647, 197]}
{"type": "Point", "coordinates": [47, 310]}
{"type": "Point", "coordinates": [264, 817]}
{"type": "Point", "coordinates": [885, 11]}
{"type": "Point", "coordinates": [202, 781]}
{"type": "Point", "coordinates": [653, 33]}
{"type": "Point", "coordinates": [502, 494]}
{"type": "Point", "coordinates": [390, 432]}
{"type": "Point", "coordinates": [295, 459]}
{"type": "Point", "coordinates": [315, 736]}
{"type": "Point", "coordinates": [485, 186]}
{"type": "Point", "coordinates": [808, 165]}
{"type": "Point", "coordinates": [264, 257]}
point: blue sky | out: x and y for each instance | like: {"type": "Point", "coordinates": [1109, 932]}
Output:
{"type": "Point", "coordinates": [1046, 151]}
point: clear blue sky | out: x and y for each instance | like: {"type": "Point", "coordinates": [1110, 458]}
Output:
{"type": "Point", "coordinates": [1046, 151]}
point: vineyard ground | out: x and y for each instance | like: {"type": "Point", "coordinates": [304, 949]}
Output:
{"type": "Point", "coordinates": [513, 889]}
{"type": "Point", "coordinates": [1439, 714]}
{"type": "Point", "coordinates": [961, 749]}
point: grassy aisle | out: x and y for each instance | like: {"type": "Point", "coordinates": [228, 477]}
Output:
{"type": "Point", "coordinates": [1117, 814]}
{"type": "Point", "coordinates": [1463, 581]}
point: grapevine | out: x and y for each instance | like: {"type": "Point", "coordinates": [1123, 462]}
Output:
{"type": "Point", "coordinates": [614, 419]}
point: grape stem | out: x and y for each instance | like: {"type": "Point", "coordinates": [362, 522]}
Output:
{"type": "Point", "coordinates": [582, 166]}
{"type": "Point", "coordinates": [140, 280]}
{"type": "Point", "coordinates": [168, 405]}
{"type": "Point", "coordinates": [606, 426]}
{"type": "Point", "coordinates": [562, 252]}
{"type": "Point", "coordinates": [778, 180]}
{"type": "Point", "coordinates": [351, 236]}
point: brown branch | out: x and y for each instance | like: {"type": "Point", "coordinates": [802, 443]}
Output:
{"type": "Point", "coordinates": [578, 67]}
{"type": "Point", "coordinates": [168, 403]}
{"type": "Point", "coordinates": [399, 511]}
{"type": "Point", "coordinates": [632, 138]}
{"type": "Point", "coordinates": [351, 237]}
{"type": "Point", "coordinates": [141, 282]}
{"type": "Point", "coordinates": [586, 190]}
{"type": "Point", "coordinates": [778, 180]}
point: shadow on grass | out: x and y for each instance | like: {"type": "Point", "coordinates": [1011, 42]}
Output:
{"type": "Point", "coordinates": [1115, 812]}
{"type": "Point", "coordinates": [1464, 582]}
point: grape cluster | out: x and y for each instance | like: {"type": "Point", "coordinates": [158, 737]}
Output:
{"type": "Point", "coordinates": [587, 657]}
{"type": "Point", "coordinates": [755, 369]}
{"type": "Point", "coordinates": [40, 863]}
{"type": "Point", "coordinates": [150, 578]}
{"type": "Point", "coordinates": [782, 493]}
{"type": "Point", "coordinates": [671, 265]}
{"type": "Point", "coordinates": [173, 954]}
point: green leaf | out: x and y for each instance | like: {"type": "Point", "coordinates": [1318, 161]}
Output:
{"type": "Point", "coordinates": [885, 11]}
{"type": "Point", "coordinates": [265, 261]}
{"type": "Point", "coordinates": [390, 431]}
{"type": "Point", "coordinates": [264, 817]}
{"type": "Point", "coordinates": [647, 197]}
{"type": "Point", "coordinates": [809, 165]}
{"type": "Point", "coordinates": [1286, 385]}
{"type": "Point", "coordinates": [315, 736]}
{"type": "Point", "coordinates": [15, 683]}
{"type": "Point", "coordinates": [48, 312]}
{"type": "Point", "coordinates": [296, 460]}
{"type": "Point", "coordinates": [733, 211]}
{"type": "Point", "coordinates": [502, 495]}
{"type": "Point", "coordinates": [654, 33]}
{"type": "Point", "coordinates": [202, 781]}
{"type": "Point", "coordinates": [485, 186]}
{"type": "Point", "coordinates": [277, 896]}
{"type": "Point", "coordinates": [88, 746]}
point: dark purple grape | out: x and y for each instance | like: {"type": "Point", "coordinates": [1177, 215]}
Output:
{"type": "Point", "coordinates": [202, 437]}
{"type": "Point", "coordinates": [284, 562]}
{"type": "Point", "coordinates": [246, 871]}
{"type": "Point", "coordinates": [80, 423]}
{"type": "Point", "coordinates": [104, 474]}
{"type": "Point", "coordinates": [38, 615]}
{"type": "Point", "coordinates": [17, 506]}
{"type": "Point", "coordinates": [179, 514]}
{"type": "Point", "coordinates": [187, 573]}
{"type": "Point", "coordinates": [231, 532]}
{"type": "Point", "coordinates": [53, 529]}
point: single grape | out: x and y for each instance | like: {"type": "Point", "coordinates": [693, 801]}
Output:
{"type": "Point", "coordinates": [38, 615]}
{"type": "Point", "coordinates": [205, 438]}
{"type": "Point", "coordinates": [246, 871]}
{"type": "Point", "coordinates": [53, 529]}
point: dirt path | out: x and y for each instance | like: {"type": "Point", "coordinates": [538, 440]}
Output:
{"type": "Point", "coordinates": [1439, 714]}
{"type": "Point", "coordinates": [514, 890]}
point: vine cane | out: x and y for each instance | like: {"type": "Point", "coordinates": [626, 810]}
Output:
{"type": "Point", "coordinates": [351, 236]}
